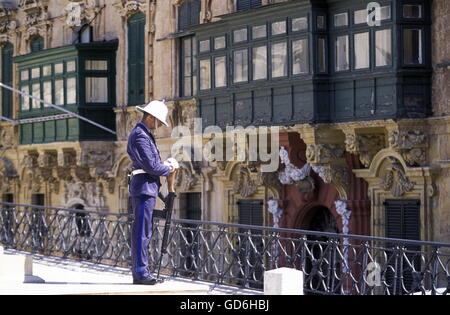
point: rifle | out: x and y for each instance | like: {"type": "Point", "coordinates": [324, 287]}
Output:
{"type": "Point", "coordinates": [167, 215]}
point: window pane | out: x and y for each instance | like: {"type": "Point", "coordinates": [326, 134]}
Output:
{"type": "Point", "coordinates": [25, 99]}
{"type": "Point", "coordinates": [219, 42]}
{"type": "Point", "coordinates": [71, 66]}
{"type": "Point", "coordinates": [205, 45]}
{"type": "Point", "coordinates": [35, 73]}
{"type": "Point", "coordinates": [412, 11]}
{"type": "Point", "coordinates": [260, 63]}
{"type": "Point", "coordinates": [279, 60]}
{"type": "Point", "coordinates": [383, 48]}
{"type": "Point", "coordinates": [322, 58]}
{"type": "Point", "coordinates": [362, 51]}
{"type": "Point", "coordinates": [300, 56]}
{"type": "Point", "coordinates": [59, 68]}
{"type": "Point", "coordinates": [36, 93]}
{"type": "Point", "coordinates": [300, 24]}
{"type": "Point", "coordinates": [96, 65]}
{"type": "Point", "coordinates": [24, 75]}
{"type": "Point", "coordinates": [187, 66]}
{"type": "Point", "coordinates": [342, 53]}
{"type": "Point", "coordinates": [385, 12]}
{"type": "Point", "coordinates": [96, 90]}
{"type": "Point", "coordinates": [412, 46]}
{"type": "Point", "coordinates": [279, 28]}
{"type": "Point", "coordinates": [321, 22]}
{"type": "Point", "coordinates": [220, 67]}
{"type": "Point", "coordinates": [240, 66]}
{"type": "Point", "coordinates": [259, 31]}
{"type": "Point", "coordinates": [47, 70]}
{"type": "Point", "coordinates": [71, 91]}
{"type": "Point", "coordinates": [205, 74]}
{"type": "Point", "coordinates": [360, 16]}
{"type": "Point", "coordinates": [47, 92]}
{"type": "Point", "coordinates": [341, 19]}
{"type": "Point", "coordinates": [240, 35]}
{"type": "Point", "coordinates": [59, 92]}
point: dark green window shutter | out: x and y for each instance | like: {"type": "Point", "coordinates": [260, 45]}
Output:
{"type": "Point", "coordinates": [7, 69]}
{"type": "Point", "coordinates": [403, 222]}
{"type": "Point", "coordinates": [37, 44]}
{"type": "Point", "coordinates": [136, 59]}
{"type": "Point", "coordinates": [248, 4]}
{"type": "Point", "coordinates": [250, 212]}
{"type": "Point", "coordinates": [189, 14]}
{"type": "Point", "coordinates": [191, 208]}
{"type": "Point", "coordinates": [403, 219]}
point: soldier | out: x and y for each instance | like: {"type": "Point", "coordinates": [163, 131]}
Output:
{"type": "Point", "coordinates": [144, 185]}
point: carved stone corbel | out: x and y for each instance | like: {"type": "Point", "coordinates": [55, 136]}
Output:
{"type": "Point", "coordinates": [411, 144]}
{"type": "Point", "coordinates": [323, 153]}
{"type": "Point", "coordinates": [364, 145]}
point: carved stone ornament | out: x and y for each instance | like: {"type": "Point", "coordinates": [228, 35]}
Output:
{"type": "Point", "coordinates": [89, 194]}
{"type": "Point", "coordinates": [323, 153]}
{"type": "Point", "coordinates": [36, 11]}
{"type": "Point", "coordinates": [244, 184]}
{"type": "Point", "coordinates": [6, 137]}
{"type": "Point", "coordinates": [277, 212]}
{"type": "Point", "coordinates": [7, 17]}
{"type": "Point", "coordinates": [411, 144]}
{"type": "Point", "coordinates": [396, 181]}
{"type": "Point", "coordinates": [364, 145]}
{"type": "Point", "coordinates": [333, 174]}
{"type": "Point", "coordinates": [128, 8]}
{"type": "Point", "coordinates": [80, 12]}
{"type": "Point", "coordinates": [8, 175]}
{"type": "Point", "coordinates": [292, 175]}
{"type": "Point", "coordinates": [186, 177]}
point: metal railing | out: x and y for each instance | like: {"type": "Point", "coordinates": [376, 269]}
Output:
{"type": "Point", "coordinates": [234, 254]}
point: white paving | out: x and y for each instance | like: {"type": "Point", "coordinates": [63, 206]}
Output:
{"type": "Point", "coordinates": [67, 277]}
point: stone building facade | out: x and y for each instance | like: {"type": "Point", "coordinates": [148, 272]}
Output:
{"type": "Point", "coordinates": [370, 165]}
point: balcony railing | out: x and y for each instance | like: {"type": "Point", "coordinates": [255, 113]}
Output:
{"type": "Point", "coordinates": [236, 255]}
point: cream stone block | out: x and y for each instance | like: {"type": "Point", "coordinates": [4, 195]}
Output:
{"type": "Point", "coordinates": [15, 268]}
{"type": "Point", "coordinates": [283, 281]}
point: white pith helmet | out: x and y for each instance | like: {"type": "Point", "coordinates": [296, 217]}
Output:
{"type": "Point", "coordinates": [157, 109]}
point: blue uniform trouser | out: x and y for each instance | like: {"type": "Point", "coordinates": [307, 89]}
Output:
{"type": "Point", "coordinates": [141, 234]}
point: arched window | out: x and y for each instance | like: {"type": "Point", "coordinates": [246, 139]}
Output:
{"type": "Point", "coordinates": [37, 44]}
{"type": "Point", "coordinates": [6, 73]}
{"type": "Point", "coordinates": [188, 14]}
{"type": "Point", "coordinates": [136, 59]}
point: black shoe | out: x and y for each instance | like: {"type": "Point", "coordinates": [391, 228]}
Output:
{"type": "Point", "coordinates": [146, 281]}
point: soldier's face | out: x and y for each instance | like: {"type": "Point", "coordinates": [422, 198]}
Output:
{"type": "Point", "coordinates": [152, 122]}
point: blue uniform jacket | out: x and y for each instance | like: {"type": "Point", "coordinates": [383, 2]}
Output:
{"type": "Point", "coordinates": [145, 155]}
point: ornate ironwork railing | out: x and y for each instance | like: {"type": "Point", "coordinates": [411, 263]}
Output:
{"type": "Point", "coordinates": [236, 254]}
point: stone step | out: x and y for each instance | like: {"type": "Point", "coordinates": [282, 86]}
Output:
{"type": "Point", "coordinates": [70, 277]}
